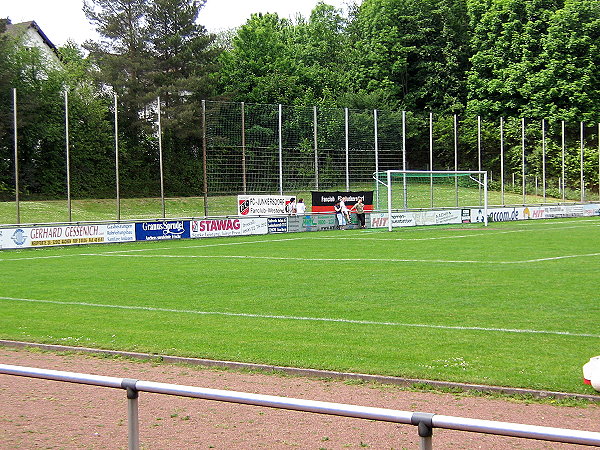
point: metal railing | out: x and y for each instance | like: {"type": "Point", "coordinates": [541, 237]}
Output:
{"type": "Point", "coordinates": [424, 421]}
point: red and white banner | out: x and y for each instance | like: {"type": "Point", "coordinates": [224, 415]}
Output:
{"type": "Point", "coordinates": [265, 205]}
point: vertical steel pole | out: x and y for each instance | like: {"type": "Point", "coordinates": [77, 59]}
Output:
{"type": "Point", "coordinates": [479, 153]}
{"type": "Point", "coordinates": [68, 158]}
{"type": "Point", "coordinates": [456, 156]}
{"type": "Point", "coordinates": [502, 158]}
{"type": "Point", "coordinates": [204, 160]}
{"type": "Point", "coordinates": [599, 161]}
{"type": "Point", "coordinates": [244, 187]}
{"type": "Point", "coordinates": [485, 200]}
{"type": "Point", "coordinates": [160, 161]}
{"type": "Point", "coordinates": [376, 131]}
{"type": "Point", "coordinates": [563, 161]}
{"type": "Point", "coordinates": [389, 199]}
{"type": "Point", "coordinates": [16, 148]}
{"type": "Point", "coordinates": [347, 149]}
{"type": "Point", "coordinates": [544, 159]}
{"type": "Point", "coordinates": [133, 422]}
{"type": "Point", "coordinates": [316, 147]}
{"type": "Point", "coordinates": [280, 149]}
{"type": "Point", "coordinates": [404, 190]}
{"type": "Point", "coordinates": [581, 136]}
{"type": "Point", "coordinates": [431, 155]}
{"type": "Point", "coordinates": [117, 181]}
{"type": "Point", "coordinates": [523, 158]}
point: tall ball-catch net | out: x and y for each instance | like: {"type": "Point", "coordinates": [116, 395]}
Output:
{"type": "Point", "coordinates": [403, 190]}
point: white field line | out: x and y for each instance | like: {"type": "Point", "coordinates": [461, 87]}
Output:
{"type": "Point", "coordinates": [288, 258]}
{"type": "Point", "coordinates": [300, 318]}
{"type": "Point", "coordinates": [454, 236]}
{"type": "Point", "coordinates": [355, 237]}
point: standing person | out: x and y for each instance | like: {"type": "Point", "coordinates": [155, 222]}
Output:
{"type": "Point", "coordinates": [291, 206]}
{"type": "Point", "coordinates": [359, 207]}
{"type": "Point", "coordinates": [339, 215]}
{"type": "Point", "coordinates": [300, 207]}
{"type": "Point", "coordinates": [345, 210]}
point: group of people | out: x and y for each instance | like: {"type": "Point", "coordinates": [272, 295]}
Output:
{"type": "Point", "coordinates": [342, 212]}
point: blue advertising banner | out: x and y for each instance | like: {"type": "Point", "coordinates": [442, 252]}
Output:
{"type": "Point", "coordinates": [277, 224]}
{"type": "Point", "coordinates": [168, 229]}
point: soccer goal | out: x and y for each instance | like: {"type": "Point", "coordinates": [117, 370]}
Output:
{"type": "Point", "coordinates": [403, 190]}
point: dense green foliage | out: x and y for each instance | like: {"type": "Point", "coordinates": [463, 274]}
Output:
{"type": "Point", "coordinates": [536, 59]}
{"type": "Point", "coordinates": [509, 305]}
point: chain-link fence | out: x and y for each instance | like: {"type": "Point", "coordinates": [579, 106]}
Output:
{"type": "Point", "coordinates": [272, 148]}
{"type": "Point", "coordinates": [263, 148]}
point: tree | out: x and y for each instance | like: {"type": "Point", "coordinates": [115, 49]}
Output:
{"type": "Point", "coordinates": [184, 60]}
{"type": "Point", "coordinates": [413, 52]}
{"type": "Point", "coordinates": [568, 85]}
{"type": "Point", "coordinates": [258, 68]}
{"type": "Point", "coordinates": [507, 43]}
{"type": "Point", "coordinates": [151, 49]}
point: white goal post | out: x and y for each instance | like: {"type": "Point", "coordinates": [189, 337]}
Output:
{"type": "Point", "coordinates": [431, 189]}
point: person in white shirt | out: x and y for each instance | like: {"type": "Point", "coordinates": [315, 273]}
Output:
{"type": "Point", "coordinates": [345, 210]}
{"type": "Point", "coordinates": [300, 207]}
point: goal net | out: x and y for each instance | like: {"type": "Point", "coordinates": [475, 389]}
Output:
{"type": "Point", "coordinates": [403, 190]}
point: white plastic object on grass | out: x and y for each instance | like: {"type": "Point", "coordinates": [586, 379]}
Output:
{"type": "Point", "coordinates": [591, 372]}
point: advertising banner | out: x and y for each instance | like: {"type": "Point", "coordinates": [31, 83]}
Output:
{"type": "Point", "coordinates": [24, 237]}
{"type": "Point", "coordinates": [167, 229]}
{"type": "Point", "coordinates": [315, 222]}
{"type": "Point", "coordinates": [380, 220]}
{"type": "Point", "coordinates": [535, 212]}
{"type": "Point", "coordinates": [591, 210]}
{"type": "Point", "coordinates": [447, 217]}
{"type": "Point", "coordinates": [322, 202]}
{"type": "Point", "coordinates": [265, 205]}
{"type": "Point", "coordinates": [228, 227]}
{"type": "Point", "coordinates": [277, 224]}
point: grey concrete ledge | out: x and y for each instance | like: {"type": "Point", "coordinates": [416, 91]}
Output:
{"type": "Point", "coordinates": [312, 373]}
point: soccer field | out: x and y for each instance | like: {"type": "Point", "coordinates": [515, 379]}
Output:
{"type": "Point", "coordinates": [513, 304]}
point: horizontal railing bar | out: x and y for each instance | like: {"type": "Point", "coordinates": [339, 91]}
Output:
{"type": "Point", "coordinates": [564, 435]}
{"type": "Point", "coordinates": [338, 409]}
{"type": "Point", "coordinates": [58, 375]}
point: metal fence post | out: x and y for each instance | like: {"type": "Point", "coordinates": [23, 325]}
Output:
{"type": "Point", "coordinates": [563, 158]}
{"type": "Point", "coordinates": [582, 150]}
{"type": "Point", "coordinates": [347, 147]}
{"type": "Point", "coordinates": [523, 159]}
{"type": "Point", "coordinates": [244, 186]}
{"type": "Point", "coordinates": [133, 423]}
{"type": "Point", "coordinates": [67, 156]}
{"type": "Point", "coordinates": [204, 160]}
{"type": "Point", "coordinates": [424, 422]}
{"type": "Point", "coordinates": [502, 158]}
{"type": "Point", "coordinates": [544, 159]}
{"type": "Point", "coordinates": [316, 145]}
{"type": "Point", "coordinates": [117, 182]}
{"type": "Point", "coordinates": [376, 143]}
{"type": "Point", "coordinates": [280, 128]}
{"type": "Point", "coordinates": [16, 149]}
{"type": "Point", "coordinates": [160, 161]}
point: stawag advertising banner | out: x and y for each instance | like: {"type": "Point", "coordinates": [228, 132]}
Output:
{"type": "Point", "coordinates": [229, 227]}
{"type": "Point", "coordinates": [25, 237]}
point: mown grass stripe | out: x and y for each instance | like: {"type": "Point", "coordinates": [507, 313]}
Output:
{"type": "Point", "coordinates": [303, 318]}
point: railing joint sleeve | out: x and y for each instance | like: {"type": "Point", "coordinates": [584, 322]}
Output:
{"type": "Point", "coordinates": [130, 385]}
{"type": "Point", "coordinates": [425, 423]}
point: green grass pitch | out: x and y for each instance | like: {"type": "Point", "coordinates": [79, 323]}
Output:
{"type": "Point", "coordinates": [514, 304]}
